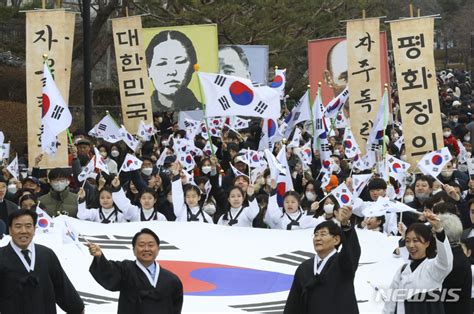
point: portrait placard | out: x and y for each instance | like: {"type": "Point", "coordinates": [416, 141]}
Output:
{"type": "Point", "coordinates": [171, 54]}
{"type": "Point", "coordinates": [247, 61]}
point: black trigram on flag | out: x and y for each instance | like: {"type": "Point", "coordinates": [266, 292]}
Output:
{"type": "Point", "coordinates": [325, 147]}
{"type": "Point", "coordinates": [224, 102]}
{"type": "Point", "coordinates": [374, 147]}
{"type": "Point", "coordinates": [57, 112]}
{"type": "Point", "coordinates": [102, 127]}
{"type": "Point", "coordinates": [187, 124]}
{"type": "Point", "coordinates": [220, 80]}
{"type": "Point", "coordinates": [319, 124]}
{"type": "Point", "coordinates": [297, 115]}
{"type": "Point", "coordinates": [261, 107]}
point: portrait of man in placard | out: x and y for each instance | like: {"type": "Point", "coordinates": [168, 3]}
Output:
{"type": "Point", "coordinates": [247, 61]}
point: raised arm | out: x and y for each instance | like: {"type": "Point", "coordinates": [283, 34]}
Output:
{"type": "Point", "coordinates": [82, 212]}
{"type": "Point", "coordinates": [350, 252]}
{"type": "Point", "coordinates": [177, 192]}
{"type": "Point", "coordinates": [130, 212]}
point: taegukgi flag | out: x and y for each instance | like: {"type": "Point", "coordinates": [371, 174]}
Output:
{"type": "Point", "coordinates": [229, 96]}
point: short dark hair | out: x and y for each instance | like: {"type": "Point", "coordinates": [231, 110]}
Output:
{"type": "Point", "coordinates": [426, 179]}
{"type": "Point", "coordinates": [377, 183]}
{"type": "Point", "coordinates": [294, 194]}
{"type": "Point", "coordinates": [423, 231]}
{"type": "Point", "coordinates": [56, 173]}
{"type": "Point", "coordinates": [149, 191]}
{"type": "Point", "coordinates": [22, 212]}
{"type": "Point", "coordinates": [332, 227]}
{"type": "Point", "coordinates": [145, 231]}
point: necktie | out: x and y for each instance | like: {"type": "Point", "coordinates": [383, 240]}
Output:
{"type": "Point", "coordinates": [319, 263]}
{"type": "Point", "coordinates": [27, 256]}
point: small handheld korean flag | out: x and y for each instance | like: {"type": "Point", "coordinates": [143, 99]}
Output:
{"type": "Point", "coordinates": [128, 138]}
{"type": "Point", "coordinates": [145, 131]}
{"type": "Point", "coordinates": [397, 168]}
{"type": "Point", "coordinates": [351, 149]}
{"type": "Point", "coordinates": [88, 171]}
{"type": "Point", "coordinates": [100, 162]}
{"type": "Point", "coordinates": [107, 129]}
{"type": "Point", "coordinates": [230, 96]}
{"type": "Point", "coordinates": [13, 168]}
{"type": "Point", "coordinates": [432, 163]}
{"type": "Point", "coordinates": [56, 116]}
{"type": "Point", "coordinates": [44, 220]}
{"type": "Point", "coordinates": [335, 105]}
{"type": "Point", "coordinates": [470, 166]}
{"type": "Point", "coordinates": [359, 181]}
{"type": "Point", "coordinates": [343, 195]}
{"type": "Point", "coordinates": [4, 150]}
{"type": "Point", "coordinates": [238, 123]}
{"type": "Point", "coordinates": [131, 163]}
{"type": "Point", "coordinates": [279, 81]}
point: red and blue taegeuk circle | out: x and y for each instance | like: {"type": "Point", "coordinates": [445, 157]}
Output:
{"type": "Point", "coordinates": [345, 198]}
{"type": "Point", "coordinates": [396, 167]}
{"type": "Point", "coordinates": [208, 279]}
{"type": "Point", "coordinates": [277, 81]}
{"type": "Point", "coordinates": [437, 160]}
{"type": "Point", "coordinates": [271, 127]}
{"type": "Point", "coordinates": [348, 144]}
{"type": "Point", "coordinates": [43, 222]}
{"type": "Point", "coordinates": [241, 94]}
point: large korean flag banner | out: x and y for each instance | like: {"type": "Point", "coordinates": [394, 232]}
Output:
{"type": "Point", "coordinates": [364, 76]}
{"type": "Point", "coordinates": [132, 72]}
{"type": "Point", "coordinates": [412, 41]}
{"type": "Point", "coordinates": [222, 275]}
{"type": "Point", "coordinates": [49, 32]}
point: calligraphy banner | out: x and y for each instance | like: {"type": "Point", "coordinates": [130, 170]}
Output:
{"type": "Point", "coordinates": [132, 72]}
{"type": "Point", "coordinates": [364, 76]}
{"type": "Point", "coordinates": [49, 32]}
{"type": "Point", "coordinates": [412, 41]}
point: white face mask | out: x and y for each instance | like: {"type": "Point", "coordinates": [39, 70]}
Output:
{"type": "Point", "coordinates": [268, 181]}
{"type": "Point", "coordinates": [310, 196]}
{"type": "Point", "coordinates": [447, 173]}
{"type": "Point", "coordinates": [455, 120]}
{"type": "Point", "coordinates": [336, 168]}
{"type": "Point", "coordinates": [463, 168]}
{"type": "Point", "coordinates": [328, 208]}
{"type": "Point", "coordinates": [409, 198]}
{"type": "Point", "coordinates": [165, 143]}
{"type": "Point", "coordinates": [147, 171]}
{"type": "Point", "coordinates": [436, 191]}
{"type": "Point", "coordinates": [447, 134]}
{"type": "Point", "coordinates": [60, 185]}
{"type": "Point", "coordinates": [467, 138]}
{"type": "Point", "coordinates": [115, 153]}
{"type": "Point", "coordinates": [12, 188]}
{"type": "Point", "coordinates": [160, 119]}
{"type": "Point", "coordinates": [206, 169]}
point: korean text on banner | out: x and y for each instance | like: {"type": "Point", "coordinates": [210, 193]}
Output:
{"type": "Point", "coordinates": [50, 33]}
{"type": "Point", "coordinates": [132, 71]}
{"type": "Point", "coordinates": [364, 73]}
{"type": "Point", "coordinates": [412, 41]}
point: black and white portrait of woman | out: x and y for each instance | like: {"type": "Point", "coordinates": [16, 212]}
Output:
{"type": "Point", "coordinates": [171, 57]}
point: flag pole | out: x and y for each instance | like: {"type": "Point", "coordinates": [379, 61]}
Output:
{"type": "Point", "coordinates": [196, 69]}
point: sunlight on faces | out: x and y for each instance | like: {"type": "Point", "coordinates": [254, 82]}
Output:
{"type": "Point", "coordinates": [235, 198]}
{"type": "Point", "coordinates": [324, 242]}
{"type": "Point", "coordinates": [291, 204]}
{"type": "Point", "coordinates": [22, 231]}
{"type": "Point", "coordinates": [146, 249]}
{"type": "Point", "coordinates": [147, 201]}
{"type": "Point", "coordinates": [105, 200]}
{"type": "Point", "coordinates": [416, 245]}
{"type": "Point", "coordinates": [169, 66]}
{"type": "Point", "coordinates": [192, 198]}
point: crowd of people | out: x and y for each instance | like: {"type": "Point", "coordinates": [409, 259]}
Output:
{"type": "Point", "coordinates": [220, 191]}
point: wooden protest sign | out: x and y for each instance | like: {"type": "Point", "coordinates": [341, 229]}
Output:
{"type": "Point", "coordinates": [412, 41]}
{"type": "Point", "coordinates": [364, 76]}
{"type": "Point", "coordinates": [132, 72]}
{"type": "Point", "coordinates": [49, 32]}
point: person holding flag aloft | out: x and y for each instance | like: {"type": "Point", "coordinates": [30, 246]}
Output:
{"type": "Point", "coordinates": [146, 211]}
{"type": "Point", "coordinates": [186, 202]}
{"type": "Point", "coordinates": [108, 212]}
{"type": "Point", "coordinates": [292, 217]}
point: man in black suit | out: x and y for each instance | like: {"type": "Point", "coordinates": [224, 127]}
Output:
{"type": "Point", "coordinates": [32, 280]}
{"type": "Point", "coordinates": [325, 283]}
{"type": "Point", "coordinates": [144, 286]}
{"type": "Point", "coordinates": [6, 207]}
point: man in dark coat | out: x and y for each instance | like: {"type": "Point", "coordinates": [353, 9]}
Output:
{"type": "Point", "coordinates": [460, 277]}
{"type": "Point", "coordinates": [32, 280]}
{"type": "Point", "coordinates": [325, 283]}
{"type": "Point", "coordinates": [144, 286]}
{"type": "Point", "coordinates": [6, 207]}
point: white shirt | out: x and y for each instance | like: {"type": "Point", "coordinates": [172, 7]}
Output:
{"type": "Point", "coordinates": [246, 217]}
{"type": "Point", "coordinates": [146, 270]}
{"type": "Point", "coordinates": [31, 254]}
{"type": "Point", "coordinates": [317, 270]}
